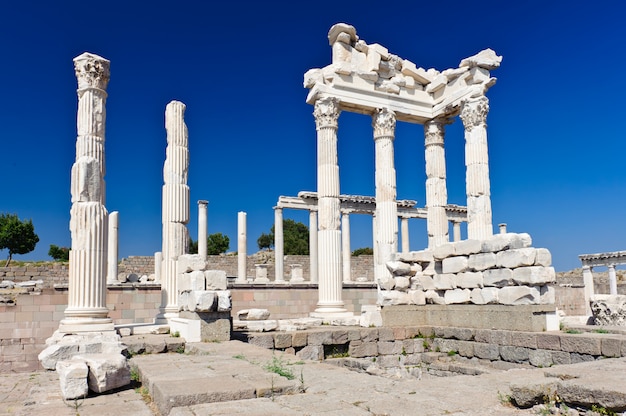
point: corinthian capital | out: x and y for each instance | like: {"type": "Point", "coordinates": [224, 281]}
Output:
{"type": "Point", "coordinates": [434, 131]}
{"type": "Point", "coordinates": [474, 112]}
{"type": "Point", "coordinates": [384, 122]}
{"type": "Point", "coordinates": [326, 112]}
{"type": "Point", "coordinates": [92, 71]}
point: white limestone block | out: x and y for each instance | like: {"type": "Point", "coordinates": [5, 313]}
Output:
{"type": "Point", "coordinates": [216, 280]}
{"type": "Point", "coordinates": [482, 261]}
{"type": "Point", "coordinates": [533, 275]}
{"type": "Point", "coordinates": [434, 297]}
{"type": "Point", "coordinates": [486, 59]}
{"type": "Point", "coordinates": [467, 247]}
{"type": "Point", "coordinates": [223, 301]}
{"type": "Point", "coordinates": [312, 77]}
{"type": "Point", "coordinates": [399, 268]}
{"type": "Point", "coordinates": [518, 295]}
{"type": "Point", "coordinates": [432, 268]}
{"type": "Point", "coordinates": [73, 378]}
{"type": "Point", "coordinates": [106, 371]}
{"type": "Point", "coordinates": [392, 297]}
{"type": "Point", "coordinates": [386, 283]}
{"type": "Point", "coordinates": [418, 297]}
{"type": "Point", "coordinates": [547, 295]}
{"type": "Point", "coordinates": [438, 83]}
{"type": "Point", "coordinates": [516, 258]}
{"type": "Point", "coordinates": [444, 281]}
{"type": "Point", "coordinates": [416, 268]}
{"type": "Point", "coordinates": [425, 282]}
{"type": "Point", "coordinates": [260, 326]}
{"type": "Point", "coordinates": [498, 277]}
{"type": "Point", "coordinates": [190, 262]}
{"type": "Point", "coordinates": [373, 60]}
{"type": "Point", "coordinates": [419, 74]}
{"type": "Point", "coordinates": [484, 296]}
{"type": "Point", "coordinates": [56, 352]}
{"type": "Point", "coordinates": [457, 296]}
{"type": "Point", "coordinates": [443, 251]}
{"type": "Point", "coordinates": [506, 241]}
{"type": "Point", "coordinates": [380, 49]}
{"type": "Point", "coordinates": [253, 314]}
{"type": "Point", "coordinates": [409, 83]}
{"type": "Point", "coordinates": [339, 28]}
{"type": "Point", "coordinates": [402, 283]}
{"type": "Point", "coordinates": [468, 280]}
{"type": "Point", "coordinates": [184, 300]}
{"type": "Point", "coordinates": [191, 281]}
{"type": "Point", "coordinates": [544, 257]}
{"type": "Point", "coordinates": [361, 46]}
{"type": "Point", "coordinates": [479, 76]}
{"type": "Point", "coordinates": [370, 316]}
{"type": "Point", "coordinates": [454, 264]}
{"type": "Point", "coordinates": [203, 301]}
{"type": "Point", "coordinates": [422, 256]}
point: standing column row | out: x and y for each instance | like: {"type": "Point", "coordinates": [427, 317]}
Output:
{"type": "Point", "coordinates": [436, 190]}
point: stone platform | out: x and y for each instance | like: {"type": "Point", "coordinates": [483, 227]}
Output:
{"type": "Point", "coordinates": [532, 318]}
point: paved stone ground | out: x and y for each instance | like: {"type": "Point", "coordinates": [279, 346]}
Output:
{"type": "Point", "coordinates": [236, 374]}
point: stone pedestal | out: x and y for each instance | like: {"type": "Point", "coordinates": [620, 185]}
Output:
{"type": "Point", "coordinates": [260, 273]}
{"type": "Point", "coordinates": [296, 273]}
{"type": "Point", "coordinates": [203, 326]}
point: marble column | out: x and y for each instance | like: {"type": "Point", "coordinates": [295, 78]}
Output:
{"type": "Point", "coordinates": [202, 228]}
{"type": "Point", "coordinates": [279, 246]}
{"type": "Point", "coordinates": [86, 310]}
{"type": "Point", "coordinates": [313, 258]}
{"type": "Point", "coordinates": [456, 230]}
{"type": "Point", "coordinates": [474, 116]}
{"type": "Point", "coordinates": [612, 280]}
{"type": "Point", "coordinates": [175, 204]}
{"type": "Point", "coordinates": [404, 231]}
{"type": "Point", "coordinates": [112, 251]}
{"type": "Point", "coordinates": [345, 246]}
{"type": "Point", "coordinates": [589, 288]}
{"type": "Point", "coordinates": [386, 231]}
{"type": "Point", "coordinates": [329, 235]}
{"type": "Point", "coordinates": [436, 189]}
{"type": "Point", "coordinates": [242, 247]}
{"type": "Point", "coordinates": [158, 266]}
{"type": "Point", "coordinates": [502, 228]}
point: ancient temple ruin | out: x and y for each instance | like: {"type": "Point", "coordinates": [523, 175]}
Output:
{"type": "Point", "coordinates": [368, 79]}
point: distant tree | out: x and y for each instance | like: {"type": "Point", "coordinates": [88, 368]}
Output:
{"type": "Point", "coordinates": [217, 243]}
{"type": "Point", "coordinates": [363, 251]}
{"type": "Point", "coordinates": [192, 246]}
{"type": "Point", "coordinates": [59, 253]}
{"type": "Point", "coordinates": [295, 237]}
{"type": "Point", "coordinates": [17, 236]}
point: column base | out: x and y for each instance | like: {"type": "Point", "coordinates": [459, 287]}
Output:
{"type": "Point", "coordinates": [164, 318]}
{"type": "Point", "coordinates": [327, 308]}
{"type": "Point", "coordinates": [261, 280]}
{"type": "Point", "coordinates": [328, 315]}
{"type": "Point", "coordinates": [80, 325]}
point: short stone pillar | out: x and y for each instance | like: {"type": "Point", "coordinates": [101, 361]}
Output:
{"type": "Point", "coordinates": [261, 273]}
{"type": "Point", "coordinates": [202, 228]}
{"type": "Point", "coordinates": [589, 289]}
{"type": "Point", "coordinates": [502, 228]}
{"type": "Point", "coordinates": [296, 273]}
{"type": "Point", "coordinates": [404, 231]}
{"type": "Point", "coordinates": [113, 248]}
{"type": "Point", "coordinates": [456, 230]}
{"type": "Point", "coordinates": [242, 249]}
{"type": "Point", "coordinates": [612, 280]}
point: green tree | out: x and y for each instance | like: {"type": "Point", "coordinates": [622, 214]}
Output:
{"type": "Point", "coordinates": [192, 246]}
{"type": "Point", "coordinates": [217, 243]}
{"type": "Point", "coordinates": [59, 253]}
{"type": "Point", "coordinates": [17, 236]}
{"type": "Point", "coordinates": [363, 250]}
{"type": "Point", "coordinates": [295, 237]}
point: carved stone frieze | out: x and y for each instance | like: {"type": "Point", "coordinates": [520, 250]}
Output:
{"type": "Point", "coordinates": [92, 71]}
{"type": "Point", "coordinates": [474, 112]}
{"type": "Point", "coordinates": [326, 112]}
{"type": "Point", "coordinates": [384, 123]}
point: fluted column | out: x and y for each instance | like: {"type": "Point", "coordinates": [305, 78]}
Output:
{"type": "Point", "coordinates": [242, 247]}
{"type": "Point", "coordinates": [86, 309]}
{"type": "Point", "coordinates": [589, 290]}
{"type": "Point", "coordinates": [345, 246]}
{"type": "Point", "coordinates": [313, 258]}
{"type": "Point", "coordinates": [112, 251]}
{"type": "Point", "coordinates": [158, 266]}
{"type": "Point", "coordinates": [612, 280]}
{"type": "Point", "coordinates": [202, 228]}
{"type": "Point", "coordinates": [404, 231]}
{"type": "Point", "coordinates": [329, 236]}
{"type": "Point", "coordinates": [474, 116]}
{"type": "Point", "coordinates": [279, 246]}
{"type": "Point", "coordinates": [386, 231]}
{"type": "Point", "coordinates": [436, 190]}
{"type": "Point", "coordinates": [175, 204]}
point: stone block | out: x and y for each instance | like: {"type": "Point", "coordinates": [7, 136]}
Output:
{"type": "Point", "coordinates": [581, 358]}
{"type": "Point", "coordinates": [549, 341]}
{"type": "Point", "coordinates": [425, 282]}
{"type": "Point", "coordinates": [540, 358]}
{"type": "Point", "coordinates": [467, 247]}
{"type": "Point", "coordinates": [501, 337]}
{"type": "Point", "coordinates": [402, 283]}
{"type": "Point", "coordinates": [389, 347]}
{"type": "Point", "coordinates": [190, 262]}
{"type": "Point", "coordinates": [370, 316]}
{"type": "Point", "coordinates": [486, 351]}
{"type": "Point", "coordinates": [392, 297]}
{"type": "Point", "coordinates": [282, 340]}
{"type": "Point", "coordinates": [386, 283]}
{"type": "Point", "coordinates": [561, 357]}
{"type": "Point", "coordinates": [533, 275]}
{"type": "Point", "coordinates": [311, 352]}
{"type": "Point", "coordinates": [73, 376]}
{"type": "Point", "coordinates": [527, 393]}
{"type": "Point", "coordinates": [360, 349]}
{"type": "Point", "coordinates": [253, 314]}
{"type": "Point", "coordinates": [514, 354]}
{"type": "Point", "coordinates": [518, 295]}
{"type": "Point", "coordinates": [386, 334]}
{"type": "Point", "coordinates": [399, 268]}
{"type": "Point", "coordinates": [498, 277]}
{"type": "Point", "coordinates": [320, 338]}
{"type": "Point", "coordinates": [482, 261]}
{"type": "Point", "coordinates": [506, 241]}
{"type": "Point", "coordinates": [468, 280]}
{"type": "Point", "coordinates": [457, 296]}
{"type": "Point", "coordinates": [547, 295]}
{"type": "Point", "coordinates": [464, 334]}
{"type": "Point", "coordinates": [581, 344]}
{"type": "Point", "coordinates": [466, 348]}
{"type": "Point", "coordinates": [106, 371]}
{"type": "Point", "coordinates": [369, 334]}
{"type": "Point", "coordinates": [417, 297]}
{"type": "Point", "coordinates": [422, 256]}
{"type": "Point", "coordinates": [202, 301]}
{"type": "Point", "coordinates": [434, 297]}
{"type": "Point", "coordinates": [215, 279]}
{"type": "Point", "coordinates": [610, 346]}
{"type": "Point", "coordinates": [516, 258]}
{"type": "Point", "coordinates": [49, 356]}
{"type": "Point", "coordinates": [443, 251]}
{"type": "Point", "coordinates": [191, 281]}
{"type": "Point", "coordinates": [444, 281]}
{"type": "Point", "coordinates": [454, 264]}
{"type": "Point", "coordinates": [262, 340]}
{"type": "Point", "coordinates": [223, 301]}
{"type": "Point", "coordinates": [484, 296]}
{"type": "Point", "coordinates": [299, 339]}
{"type": "Point", "coordinates": [544, 257]}
{"type": "Point", "coordinates": [524, 339]}
{"type": "Point", "coordinates": [339, 336]}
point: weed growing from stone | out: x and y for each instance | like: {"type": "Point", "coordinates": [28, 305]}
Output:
{"type": "Point", "coordinates": [278, 366]}
{"type": "Point", "coordinates": [239, 357]}
{"type": "Point", "coordinates": [572, 331]}
{"type": "Point", "coordinates": [134, 374]}
{"type": "Point", "coordinates": [75, 404]}
{"type": "Point", "coordinates": [175, 334]}
{"type": "Point", "coordinates": [504, 399]}
{"type": "Point", "coordinates": [602, 410]}
{"type": "Point", "coordinates": [181, 349]}
{"type": "Point", "coordinates": [600, 331]}
{"type": "Point", "coordinates": [452, 353]}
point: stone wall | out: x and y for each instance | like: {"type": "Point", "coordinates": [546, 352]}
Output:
{"type": "Point", "coordinates": [51, 273]}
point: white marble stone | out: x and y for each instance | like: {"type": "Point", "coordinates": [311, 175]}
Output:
{"type": "Point", "coordinates": [498, 277]}
{"type": "Point", "coordinates": [455, 264]}
{"type": "Point", "coordinates": [482, 261]}
{"type": "Point", "coordinates": [242, 250]}
{"type": "Point", "coordinates": [73, 378]}
{"type": "Point", "coordinates": [422, 256]}
{"type": "Point", "coordinates": [224, 303]}
{"type": "Point", "coordinates": [519, 295]}
{"type": "Point", "coordinates": [112, 251]}
{"type": "Point", "coordinates": [544, 257]}
{"type": "Point", "coordinates": [547, 295]}
{"type": "Point", "coordinates": [484, 296]}
{"type": "Point", "coordinates": [457, 296]}
{"type": "Point", "coordinates": [191, 262]}
{"type": "Point", "coordinates": [202, 301]}
{"type": "Point", "coordinates": [533, 275]}
{"type": "Point", "coordinates": [516, 258]}
{"type": "Point", "coordinates": [254, 314]}
{"type": "Point", "coordinates": [106, 371]}
{"type": "Point", "coordinates": [444, 281]}
{"type": "Point", "coordinates": [468, 280]}
{"type": "Point", "coordinates": [399, 268]}
{"type": "Point", "coordinates": [216, 279]}
{"type": "Point", "coordinates": [434, 297]}
{"type": "Point", "coordinates": [194, 280]}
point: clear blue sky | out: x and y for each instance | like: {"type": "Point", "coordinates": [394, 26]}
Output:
{"type": "Point", "coordinates": [555, 130]}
